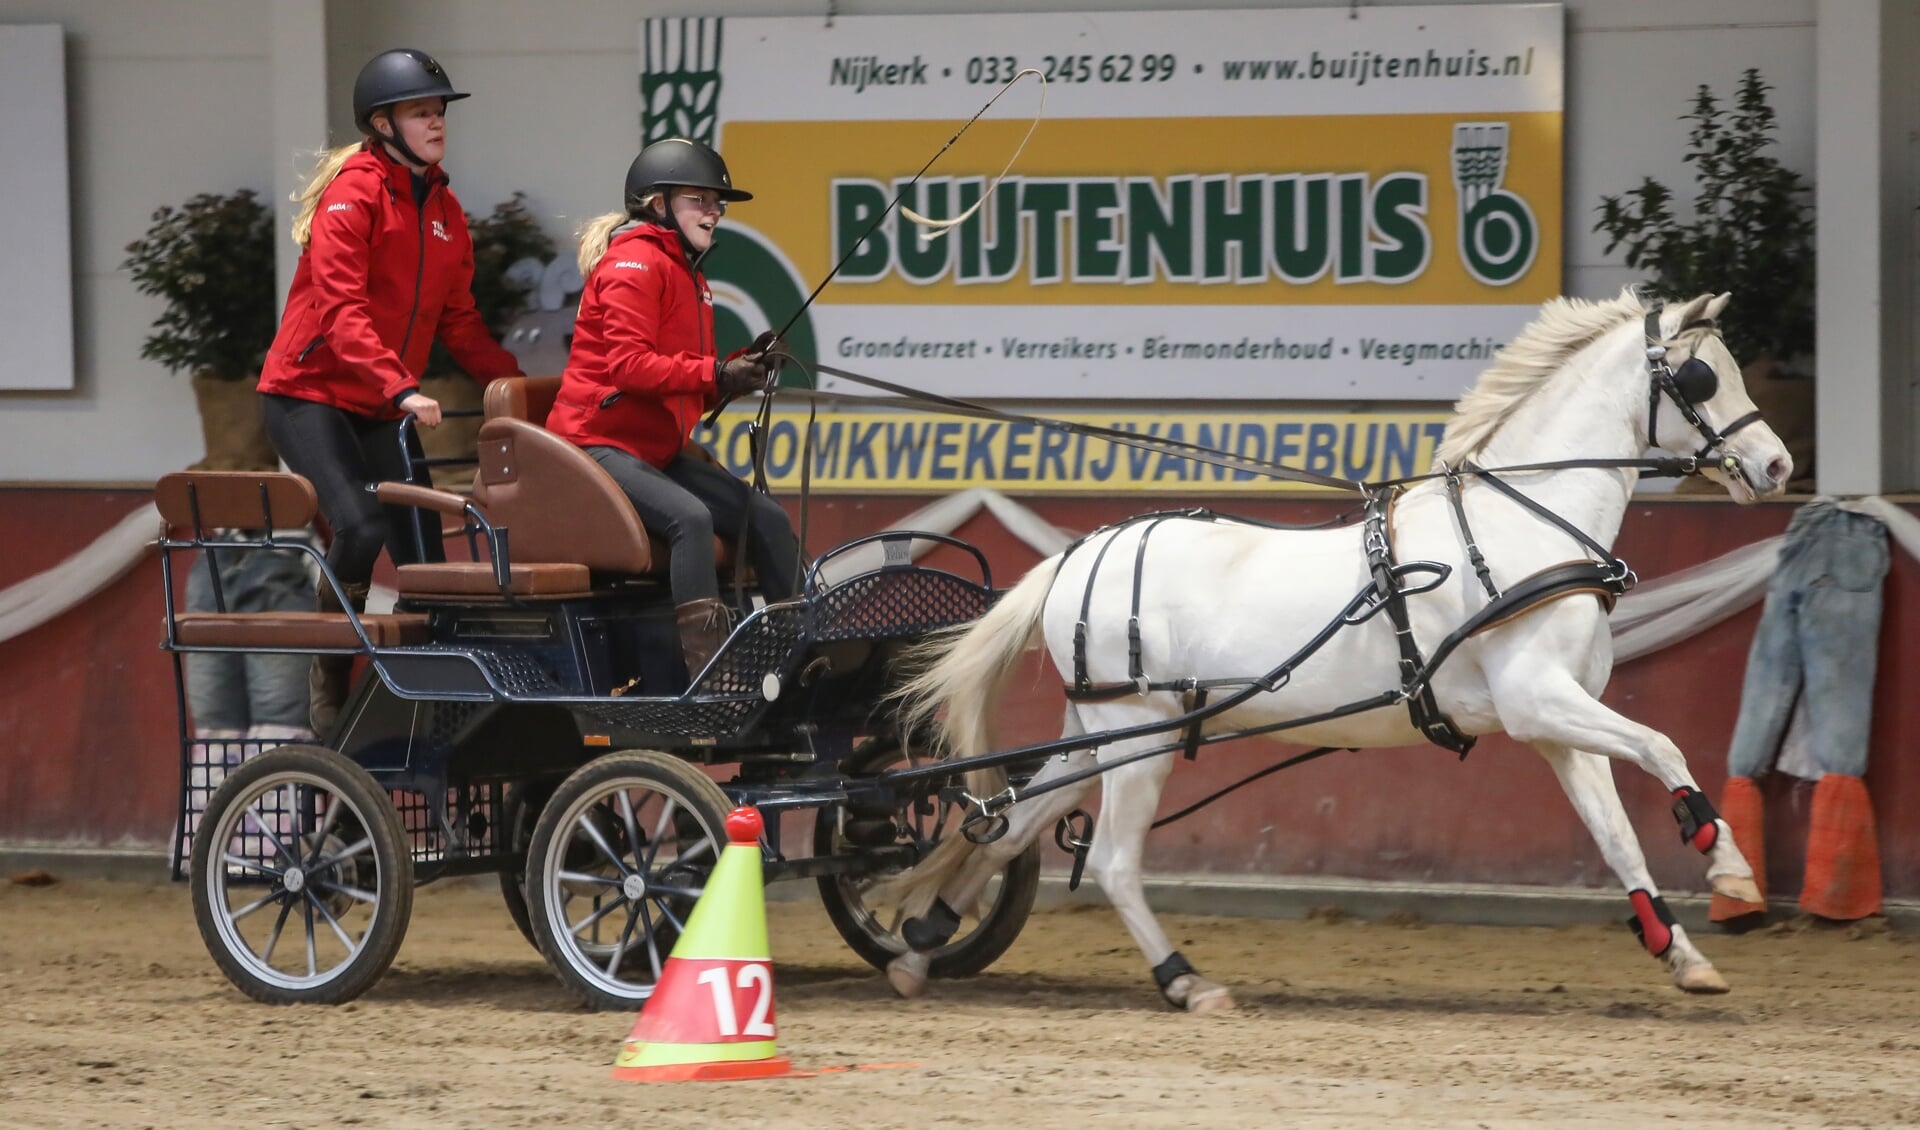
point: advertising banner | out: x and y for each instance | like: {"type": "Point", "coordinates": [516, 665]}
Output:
{"type": "Point", "coordinates": [1319, 204]}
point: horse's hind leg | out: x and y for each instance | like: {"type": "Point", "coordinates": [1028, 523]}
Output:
{"type": "Point", "coordinates": [1130, 796]}
{"type": "Point", "coordinates": [1588, 781]}
{"type": "Point", "coordinates": [1555, 708]}
{"type": "Point", "coordinates": [908, 973]}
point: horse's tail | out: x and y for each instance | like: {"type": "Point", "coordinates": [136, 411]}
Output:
{"type": "Point", "coordinates": [965, 669]}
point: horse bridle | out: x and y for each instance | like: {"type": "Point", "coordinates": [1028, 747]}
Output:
{"type": "Point", "coordinates": [1692, 385]}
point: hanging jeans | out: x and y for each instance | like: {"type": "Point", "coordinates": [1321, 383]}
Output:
{"type": "Point", "coordinates": [1818, 638]}
{"type": "Point", "coordinates": [231, 692]}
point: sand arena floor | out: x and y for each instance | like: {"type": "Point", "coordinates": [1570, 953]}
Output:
{"type": "Point", "coordinates": [112, 1015]}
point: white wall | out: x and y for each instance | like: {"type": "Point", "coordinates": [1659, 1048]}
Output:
{"type": "Point", "coordinates": [166, 99]}
{"type": "Point", "coordinates": [172, 97]}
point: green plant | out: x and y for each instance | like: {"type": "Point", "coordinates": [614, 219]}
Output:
{"type": "Point", "coordinates": [211, 259]}
{"type": "Point", "coordinates": [504, 238]}
{"type": "Point", "coordinates": [1751, 231]}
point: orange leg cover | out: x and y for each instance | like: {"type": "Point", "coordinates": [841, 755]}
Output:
{"type": "Point", "coordinates": [1843, 852]}
{"type": "Point", "coordinates": [1743, 808]}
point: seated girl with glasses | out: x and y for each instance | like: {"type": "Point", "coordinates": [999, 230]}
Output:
{"type": "Point", "coordinates": [642, 370]}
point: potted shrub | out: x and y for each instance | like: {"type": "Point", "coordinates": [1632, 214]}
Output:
{"type": "Point", "coordinates": [211, 260]}
{"type": "Point", "coordinates": [500, 240]}
{"type": "Point", "coordinates": [1751, 232]}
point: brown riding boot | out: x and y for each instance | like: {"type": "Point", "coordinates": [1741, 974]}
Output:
{"type": "Point", "coordinates": [331, 676]}
{"type": "Point", "coordinates": [704, 627]}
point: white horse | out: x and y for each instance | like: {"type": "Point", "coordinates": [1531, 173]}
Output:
{"type": "Point", "coordinates": [1223, 600]}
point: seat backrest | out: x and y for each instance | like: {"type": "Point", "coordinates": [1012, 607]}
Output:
{"type": "Point", "coordinates": [557, 504]}
{"type": "Point", "coordinates": [521, 398]}
{"type": "Point", "coordinates": [252, 500]}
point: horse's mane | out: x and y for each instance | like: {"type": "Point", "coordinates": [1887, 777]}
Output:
{"type": "Point", "coordinates": [1564, 327]}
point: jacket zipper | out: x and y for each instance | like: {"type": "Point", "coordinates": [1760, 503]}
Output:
{"type": "Point", "coordinates": [419, 273]}
{"type": "Point", "coordinates": [706, 339]}
{"type": "Point", "coordinates": [311, 346]}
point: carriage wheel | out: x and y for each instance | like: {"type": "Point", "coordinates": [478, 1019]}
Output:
{"type": "Point", "coordinates": [871, 925]}
{"type": "Point", "coordinates": [302, 881]}
{"type": "Point", "coordinates": [523, 804]}
{"type": "Point", "coordinates": [617, 860]}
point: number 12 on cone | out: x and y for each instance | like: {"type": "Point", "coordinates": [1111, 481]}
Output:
{"type": "Point", "coordinates": [713, 1001]}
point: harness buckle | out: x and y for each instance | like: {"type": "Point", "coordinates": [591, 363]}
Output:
{"type": "Point", "coordinates": [989, 822]}
{"type": "Point", "coordinates": [1656, 352]}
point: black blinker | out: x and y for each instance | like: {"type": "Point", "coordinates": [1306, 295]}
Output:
{"type": "Point", "coordinates": [1696, 381]}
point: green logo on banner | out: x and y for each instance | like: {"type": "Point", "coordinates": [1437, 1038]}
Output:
{"type": "Point", "coordinates": [1498, 234]}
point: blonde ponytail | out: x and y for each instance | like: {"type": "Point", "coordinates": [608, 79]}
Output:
{"type": "Point", "coordinates": [594, 237]}
{"type": "Point", "coordinates": [309, 197]}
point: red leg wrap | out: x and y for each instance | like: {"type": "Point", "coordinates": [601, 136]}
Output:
{"type": "Point", "coordinates": [1652, 921]}
{"type": "Point", "coordinates": [1697, 818]}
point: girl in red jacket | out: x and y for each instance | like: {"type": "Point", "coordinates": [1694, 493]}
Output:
{"type": "Point", "coordinates": [388, 267]}
{"type": "Point", "coordinates": [642, 370]}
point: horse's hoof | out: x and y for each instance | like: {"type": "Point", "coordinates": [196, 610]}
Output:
{"type": "Point", "coordinates": [1700, 979]}
{"type": "Point", "coordinates": [908, 974]}
{"type": "Point", "coordinates": [1740, 888]}
{"type": "Point", "coordinates": [1197, 995]}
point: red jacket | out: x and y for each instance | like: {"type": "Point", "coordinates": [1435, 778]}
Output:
{"type": "Point", "coordinates": [380, 279]}
{"type": "Point", "coordinates": [641, 368]}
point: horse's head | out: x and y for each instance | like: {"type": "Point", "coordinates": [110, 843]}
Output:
{"type": "Point", "coordinates": [1698, 404]}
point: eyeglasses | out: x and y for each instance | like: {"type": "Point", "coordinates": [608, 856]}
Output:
{"type": "Point", "coordinates": [705, 204]}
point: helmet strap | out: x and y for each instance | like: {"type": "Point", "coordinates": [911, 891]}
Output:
{"type": "Point", "coordinates": [664, 218]}
{"type": "Point", "coordinates": [395, 142]}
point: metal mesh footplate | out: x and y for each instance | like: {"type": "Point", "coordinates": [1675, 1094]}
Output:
{"type": "Point", "coordinates": [518, 673]}
{"type": "Point", "coordinates": [731, 689]}
{"type": "Point", "coordinates": [894, 603]}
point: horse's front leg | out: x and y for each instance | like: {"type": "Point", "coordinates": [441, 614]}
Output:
{"type": "Point", "coordinates": [1588, 782]}
{"type": "Point", "coordinates": [1129, 798]}
{"type": "Point", "coordinates": [1553, 707]}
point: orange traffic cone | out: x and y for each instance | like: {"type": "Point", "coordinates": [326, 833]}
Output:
{"type": "Point", "coordinates": [1843, 852]}
{"type": "Point", "coordinates": [711, 1015]}
{"type": "Point", "coordinates": [1744, 810]}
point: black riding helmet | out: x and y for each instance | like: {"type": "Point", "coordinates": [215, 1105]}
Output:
{"type": "Point", "coordinates": [393, 77]}
{"type": "Point", "coordinates": [678, 161]}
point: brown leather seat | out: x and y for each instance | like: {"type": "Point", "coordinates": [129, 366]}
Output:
{"type": "Point", "coordinates": [556, 502]}
{"type": "Point", "coordinates": [194, 504]}
{"type": "Point", "coordinates": [246, 500]}
{"type": "Point", "coordinates": [295, 630]}
{"type": "Point", "coordinates": [521, 398]}
{"type": "Point", "coordinates": [474, 580]}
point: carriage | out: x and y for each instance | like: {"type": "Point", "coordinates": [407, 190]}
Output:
{"type": "Point", "coordinates": [526, 713]}
{"type": "Point", "coordinates": [470, 744]}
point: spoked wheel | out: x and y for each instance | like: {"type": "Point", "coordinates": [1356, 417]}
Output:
{"type": "Point", "coordinates": [523, 804]}
{"type": "Point", "coordinates": [302, 882]}
{"type": "Point", "coordinates": [617, 860]}
{"type": "Point", "coordinates": [871, 924]}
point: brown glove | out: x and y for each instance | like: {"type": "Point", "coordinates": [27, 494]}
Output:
{"type": "Point", "coordinates": [741, 376]}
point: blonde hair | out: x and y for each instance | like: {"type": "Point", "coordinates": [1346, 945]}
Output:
{"type": "Point", "coordinates": [309, 197]}
{"type": "Point", "coordinates": [597, 233]}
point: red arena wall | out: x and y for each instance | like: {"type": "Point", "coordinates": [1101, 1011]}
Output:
{"type": "Point", "coordinates": [87, 754]}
